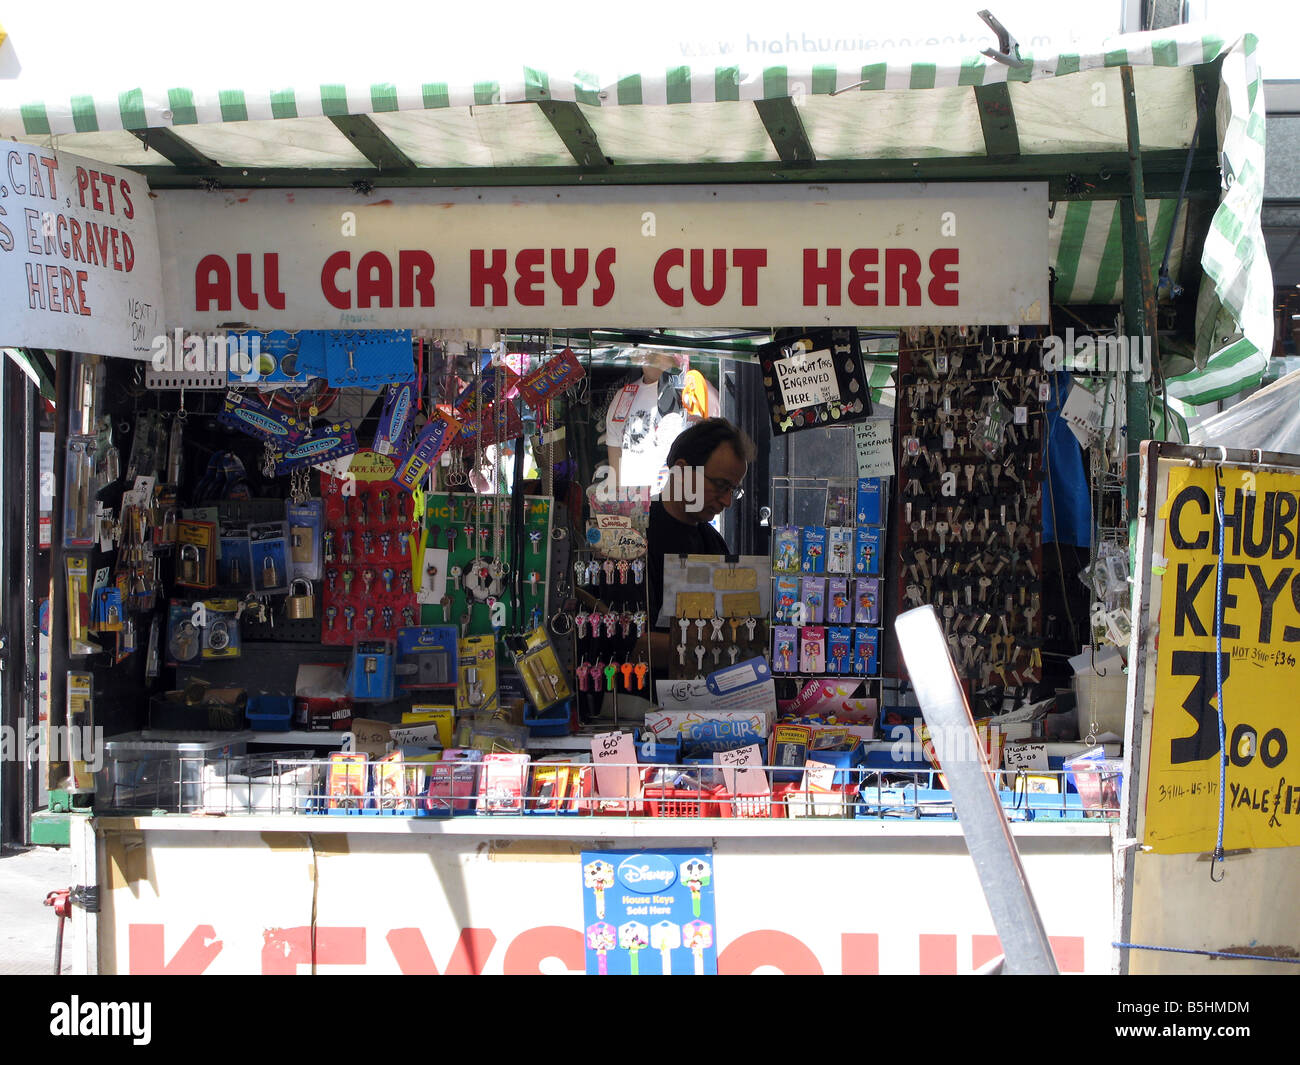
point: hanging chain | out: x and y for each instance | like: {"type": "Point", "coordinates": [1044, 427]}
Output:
{"type": "Point", "coordinates": [300, 485]}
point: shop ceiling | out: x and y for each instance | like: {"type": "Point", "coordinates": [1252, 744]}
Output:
{"type": "Point", "coordinates": [1059, 118]}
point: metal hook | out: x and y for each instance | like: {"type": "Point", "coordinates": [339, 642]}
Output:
{"type": "Point", "coordinates": [1092, 647]}
{"type": "Point", "coordinates": [1216, 860]}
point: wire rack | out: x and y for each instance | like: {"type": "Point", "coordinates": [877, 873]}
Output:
{"type": "Point", "coordinates": [295, 784]}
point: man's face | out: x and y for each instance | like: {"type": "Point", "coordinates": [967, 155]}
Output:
{"type": "Point", "coordinates": [722, 475]}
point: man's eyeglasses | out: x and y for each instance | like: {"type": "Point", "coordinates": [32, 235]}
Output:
{"type": "Point", "coordinates": [724, 487]}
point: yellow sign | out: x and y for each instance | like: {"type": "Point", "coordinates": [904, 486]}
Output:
{"type": "Point", "coordinates": [371, 466]}
{"type": "Point", "coordinates": [1259, 665]}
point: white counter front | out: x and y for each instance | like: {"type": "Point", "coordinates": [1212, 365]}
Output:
{"type": "Point", "coordinates": [485, 895]}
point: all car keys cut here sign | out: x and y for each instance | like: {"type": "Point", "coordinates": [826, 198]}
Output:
{"type": "Point", "coordinates": [647, 256]}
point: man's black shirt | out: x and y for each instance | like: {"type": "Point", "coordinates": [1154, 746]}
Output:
{"type": "Point", "coordinates": [666, 536]}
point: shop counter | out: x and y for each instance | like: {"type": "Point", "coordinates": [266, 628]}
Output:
{"type": "Point", "coordinates": [245, 894]}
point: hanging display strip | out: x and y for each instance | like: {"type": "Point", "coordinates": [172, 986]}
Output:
{"type": "Point", "coordinates": [367, 550]}
{"type": "Point", "coordinates": [468, 561]}
{"type": "Point", "coordinates": [970, 425]}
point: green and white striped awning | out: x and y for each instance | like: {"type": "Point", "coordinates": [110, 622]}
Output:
{"type": "Point", "coordinates": [889, 108]}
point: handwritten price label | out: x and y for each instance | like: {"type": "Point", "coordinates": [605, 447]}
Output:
{"type": "Point", "coordinates": [1031, 756]}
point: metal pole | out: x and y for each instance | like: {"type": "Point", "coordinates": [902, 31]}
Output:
{"type": "Point", "coordinates": [983, 821]}
{"type": "Point", "coordinates": [1140, 319]}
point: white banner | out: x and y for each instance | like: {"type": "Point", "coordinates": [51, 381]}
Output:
{"type": "Point", "coordinates": [78, 255]}
{"type": "Point", "coordinates": [425, 901]}
{"type": "Point", "coordinates": [864, 255]}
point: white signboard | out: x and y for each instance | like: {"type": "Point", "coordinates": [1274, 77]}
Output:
{"type": "Point", "coordinates": [807, 379]}
{"type": "Point", "coordinates": [78, 255]}
{"type": "Point", "coordinates": [862, 255]}
{"type": "Point", "coordinates": [874, 439]}
{"type": "Point", "coordinates": [508, 900]}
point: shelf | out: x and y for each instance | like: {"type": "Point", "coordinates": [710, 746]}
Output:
{"type": "Point", "coordinates": [302, 737]}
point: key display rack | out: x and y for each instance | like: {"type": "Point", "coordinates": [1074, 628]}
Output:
{"type": "Point", "coordinates": [969, 512]}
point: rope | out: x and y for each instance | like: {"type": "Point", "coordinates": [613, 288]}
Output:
{"type": "Point", "coordinates": [1207, 953]}
{"type": "Point", "coordinates": [1218, 670]}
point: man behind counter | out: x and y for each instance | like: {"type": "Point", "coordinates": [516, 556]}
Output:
{"type": "Point", "coordinates": [706, 465]}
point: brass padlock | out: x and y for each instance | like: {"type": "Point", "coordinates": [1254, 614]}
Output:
{"type": "Point", "coordinates": [189, 564]}
{"type": "Point", "coordinates": [301, 543]}
{"type": "Point", "coordinates": [299, 606]}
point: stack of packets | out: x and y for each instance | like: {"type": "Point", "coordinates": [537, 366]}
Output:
{"type": "Point", "coordinates": [817, 768]}
{"type": "Point", "coordinates": [830, 702]}
{"type": "Point", "coordinates": [817, 745]}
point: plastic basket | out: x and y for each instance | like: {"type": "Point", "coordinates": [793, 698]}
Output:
{"type": "Point", "coordinates": [269, 713]}
{"type": "Point", "coordinates": [679, 802]}
{"type": "Point", "coordinates": [837, 802]}
{"type": "Point", "coordinates": [262, 784]}
{"type": "Point", "coordinates": [748, 805]}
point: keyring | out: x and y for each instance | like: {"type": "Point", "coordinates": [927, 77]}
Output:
{"type": "Point", "coordinates": [558, 616]}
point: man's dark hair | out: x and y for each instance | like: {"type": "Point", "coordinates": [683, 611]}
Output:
{"type": "Point", "coordinates": [694, 445]}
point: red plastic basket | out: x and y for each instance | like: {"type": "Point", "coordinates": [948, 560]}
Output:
{"type": "Point", "coordinates": [679, 802]}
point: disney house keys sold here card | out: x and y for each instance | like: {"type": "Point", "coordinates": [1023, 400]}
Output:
{"type": "Point", "coordinates": [649, 912]}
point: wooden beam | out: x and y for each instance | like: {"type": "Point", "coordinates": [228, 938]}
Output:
{"type": "Point", "coordinates": [179, 152]}
{"type": "Point", "coordinates": [785, 128]}
{"type": "Point", "coordinates": [1089, 176]}
{"type": "Point", "coordinates": [997, 120]}
{"type": "Point", "coordinates": [371, 141]}
{"type": "Point", "coordinates": [576, 132]}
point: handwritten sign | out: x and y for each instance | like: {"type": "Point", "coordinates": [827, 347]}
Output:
{"type": "Point", "coordinates": [370, 737]}
{"type": "Point", "coordinates": [818, 776]}
{"type": "Point", "coordinates": [1025, 756]}
{"type": "Point", "coordinates": [79, 262]}
{"type": "Point", "coordinates": [807, 379]}
{"type": "Point", "coordinates": [742, 772]}
{"type": "Point", "coordinates": [614, 756]}
{"type": "Point", "coordinates": [875, 446]}
{"type": "Point", "coordinates": [1258, 667]}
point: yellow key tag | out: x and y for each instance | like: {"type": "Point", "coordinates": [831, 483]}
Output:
{"type": "Point", "coordinates": [727, 579]}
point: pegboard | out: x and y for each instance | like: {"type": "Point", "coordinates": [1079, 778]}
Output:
{"type": "Point", "coordinates": [969, 514]}
{"type": "Point", "coordinates": [285, 629]}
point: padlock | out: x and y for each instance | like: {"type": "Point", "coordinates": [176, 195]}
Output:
{"type": "Point", "coordinates": [301, 543]}
{"type": "Point", "coordinates": [189, 564]}
{"type": "Point", "coordinates": [300, 606]}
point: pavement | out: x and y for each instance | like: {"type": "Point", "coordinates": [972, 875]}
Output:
{"type": "Point", "coordinates": [27, 926]}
